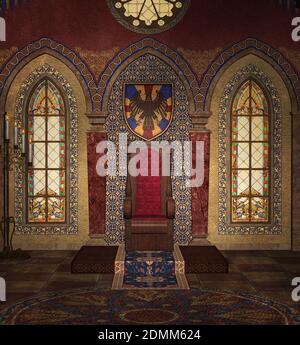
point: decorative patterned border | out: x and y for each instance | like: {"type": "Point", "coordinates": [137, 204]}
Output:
{"type": "Point", "coordinates": [121, 19]}
{"type": "Point", "coordinates": [154, 47]}
{"type": "Point", "coordinates": [72, 59]}
{"type": "Point", "coordinates": [20, 203]}
{"type": "Point", "coordinates": [147, 68]}
{"type": "Point", "coordinates": [95, 91]}
{"type": "Point", "coordinates": [201, 92]}
{"type": "Point", "coordinates": [236, 51]}
{"type": "Point", "coordinates": [224, 227]}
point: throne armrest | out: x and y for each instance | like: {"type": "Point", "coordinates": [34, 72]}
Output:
{"type": "Point", "coordinates": [170, 208]}
{"type": "Point", "coordinates": [128, 208]}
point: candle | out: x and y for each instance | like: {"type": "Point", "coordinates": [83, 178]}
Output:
{"type": "Point", "coordinates": [23, 142]}
{"type": "Point", "coordinates": [6, 127]}
{"type": "Point", "coordinates": [16, 134]}
{"type": "Point", "coordinates": [30, 152]}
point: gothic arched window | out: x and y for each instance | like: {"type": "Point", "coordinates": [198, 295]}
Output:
{"type": "Point", "coordinates": [250, 155]}
{"type": "Point", "coordinates": [47, 148]}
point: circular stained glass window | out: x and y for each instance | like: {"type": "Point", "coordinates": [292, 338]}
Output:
{"type": "Point", "coordinates": [148, 16]}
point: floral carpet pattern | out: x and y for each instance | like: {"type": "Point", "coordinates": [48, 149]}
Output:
{"type": "Point", "coordinates": [110, 307]}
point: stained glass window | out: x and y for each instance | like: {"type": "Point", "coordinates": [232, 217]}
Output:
{"type": "Point", "coordinates": [250, 155]}
{"type": "Point", "coordinates": [148, 16]}
{"type": "Point", "coordinates": [46, 124]}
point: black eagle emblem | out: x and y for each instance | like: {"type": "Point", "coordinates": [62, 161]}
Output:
{"type": "Point", "coordinates": [148, 108]}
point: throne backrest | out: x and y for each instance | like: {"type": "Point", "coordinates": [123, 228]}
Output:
{"type": "Point", "coordinates": [149, 193]}
{"type": "Point", "coordinates": [148, 189]}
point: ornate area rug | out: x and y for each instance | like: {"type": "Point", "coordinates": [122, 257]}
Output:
{"type": "Point", "coordinates": [149, 270]}
{"type": "Point", "coordinates": [113, 307]}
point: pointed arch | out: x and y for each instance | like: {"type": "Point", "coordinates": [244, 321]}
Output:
{"type": "Point", "coordinates": [158, 49]}
{"type": "Point", "coordinates": [49, 47]}
{"type": "Point", "coordinates": [239, 50]}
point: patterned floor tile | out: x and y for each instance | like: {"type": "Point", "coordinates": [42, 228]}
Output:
{"type": "Point", "coordinates": [268, 273]}
{"type": "Point", "coordinates": [232, 268]}
{"type": "Point", "coordinates": [288, 260]}
{"type": "Point", "coordinates": [228, 285]}
{"type": "Point", "coordinates": [282, 254]}
{"type": "Point", "coordinates": [45, 261]}
{"type": "Point", "coordinates": [24, 286]}
{"type": "Point", "coordinates": [251, 260]}
{"type": "Point", "coordinates": [105, 280]}
{"type": "Point", "coordinates": [23, 276]}
{"type": "Point", "coordinates": [58, 285]}
{"type": "Point", "coordinates": [242, 253]}
{"type": "Point", "coordinates": [67, 260]}
{"type": "Point", "coordinates": [222, 276]}
{"type": "Point", "coordinates": [292, 268]}
{"type": "Point", "coordinates": [64, 268]}
{"type": "Point", "coordinates": [49, 254]}
{"type": "Point", "coordinates": [268, 276]}
{"type": "Point", "coordinates": [31, 268]}
{"type": "Point", "coordinates": [69, 277]}
{"type": "Point", "coordinates": [274, 286]}
{"type": "Point", "coordinates": [259, 268]}
{"type": "Point", "coordinates": [106, 277]}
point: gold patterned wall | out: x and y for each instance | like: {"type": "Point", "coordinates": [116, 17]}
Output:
{"type": "Point", "coordinates": [199, 61]}
{"type": "Point", "coordinates": [97, 61]}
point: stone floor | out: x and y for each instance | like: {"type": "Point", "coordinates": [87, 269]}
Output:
{"type": "Point", "coordinates": [266, 273]}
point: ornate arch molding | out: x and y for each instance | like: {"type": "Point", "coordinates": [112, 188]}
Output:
{"type": "Point", "coordinates": [239, 50]}
{"type": "Point", "coordinates": [149, 46]}
{"type": "Point", "coordinates": [178, 130]}
{"type": "Point", "coordinates": [57, 50]}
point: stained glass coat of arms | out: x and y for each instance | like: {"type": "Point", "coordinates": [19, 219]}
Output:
{"type": "Point", "coordinates": [148, 109]}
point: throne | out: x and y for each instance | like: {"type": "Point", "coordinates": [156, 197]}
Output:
{"type": "Point", "coordinates": [149, 211]}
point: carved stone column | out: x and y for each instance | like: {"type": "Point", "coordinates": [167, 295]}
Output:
{"type": "Point", "coordinates": [199, 132]}
{"type": "Point", "coordinates": [296, 181]}
{"type": "Point", "coordinates": [96, 183]}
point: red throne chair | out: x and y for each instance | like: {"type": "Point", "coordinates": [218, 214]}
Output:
{"type": "Point", "coordinates": [149, 211]}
